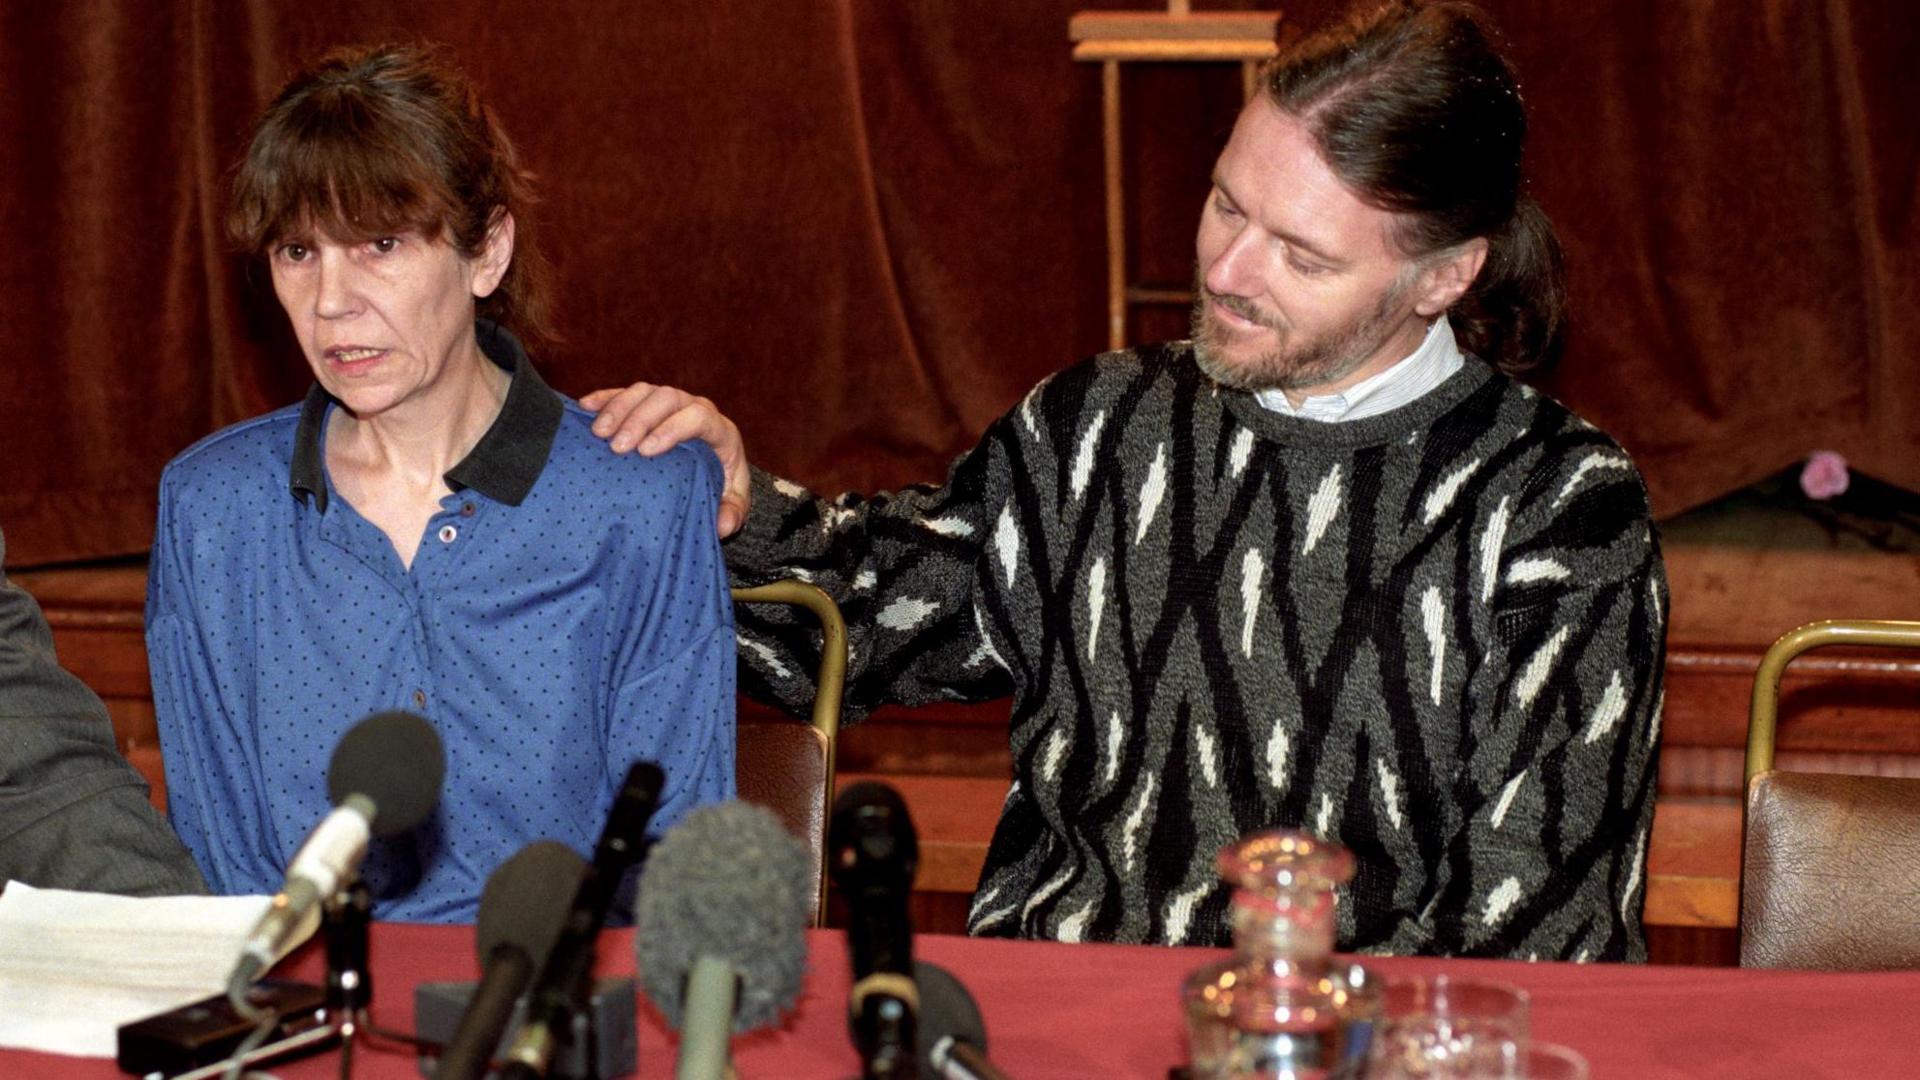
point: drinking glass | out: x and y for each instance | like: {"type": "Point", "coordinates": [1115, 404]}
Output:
{"type": "Point", "coordinates": [1443, 1027]}
{"type": "Point", "coordinates": [1541, 1061]}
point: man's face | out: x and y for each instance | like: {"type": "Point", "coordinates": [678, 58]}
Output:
{"type": "Point", "coordinates": [1300, 286]}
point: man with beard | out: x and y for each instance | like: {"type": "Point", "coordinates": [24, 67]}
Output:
{"type": "Point", "coordinates": [1326, 565]}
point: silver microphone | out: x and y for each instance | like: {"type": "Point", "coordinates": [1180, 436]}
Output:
{"type": "Point", "coordinates": [385, 779]}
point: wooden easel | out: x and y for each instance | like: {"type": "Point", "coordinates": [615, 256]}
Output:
{"type": "Point", "coordinates": [1112, 38]}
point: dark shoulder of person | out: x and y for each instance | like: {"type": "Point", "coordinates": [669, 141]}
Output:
{"type": "Point", "coordinates": [74, 813]}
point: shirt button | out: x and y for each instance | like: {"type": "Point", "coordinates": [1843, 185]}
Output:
{"type": "Point", "coordinates": [447, 533]}
{"type": "Point", "coordinates": [419, 699]}
{"type": "Point", "coordinates": [466, 509]}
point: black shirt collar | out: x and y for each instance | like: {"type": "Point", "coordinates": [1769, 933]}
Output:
{"type": "Point", "coordinates": [503, 465]}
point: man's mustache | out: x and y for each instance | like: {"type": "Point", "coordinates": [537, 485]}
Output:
{"type": "Point", "coordinates": [1242, 307]}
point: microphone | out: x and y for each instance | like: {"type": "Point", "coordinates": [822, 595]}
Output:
{"type": "Point", "coordinates": [521, 910]}
{"type": "Point", "coordinates": [952, 1038]}
{"type": "Point", "coordinates": [384, 779]}
{"type": "Point", "coordinates": [721, 923]}
{"type": "Point", "coordinates": [562, 985]}
{"type": "Point", "coordinates": [872, 853]}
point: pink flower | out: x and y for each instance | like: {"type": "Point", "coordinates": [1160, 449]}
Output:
{"type": "Point", "coordinates": [1824, 475]}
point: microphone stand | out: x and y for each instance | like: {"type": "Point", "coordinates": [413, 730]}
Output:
{"type": "Point", "coordinates": [346, 924]}
{"type": "Point", "coordinates": [345, 918]}
{"type": "Point", "coordinates": [349, 982]}
{"type": "Point", "coordinates": [345, 921]}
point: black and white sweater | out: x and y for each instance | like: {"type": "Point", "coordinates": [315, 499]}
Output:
{"type": "Point", "coordinates": [1435, 636]}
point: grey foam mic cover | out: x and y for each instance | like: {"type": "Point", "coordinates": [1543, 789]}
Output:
{"type": "Point", "coordinates": [728, 882]}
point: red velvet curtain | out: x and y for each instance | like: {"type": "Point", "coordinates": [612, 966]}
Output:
{"type": "Point", "coordinates": [865, 227]}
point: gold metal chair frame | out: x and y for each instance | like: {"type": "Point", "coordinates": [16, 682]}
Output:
{"type": "Point", "coordinates": [829, 681]}
{"type": "Point", "coordinates": [1813, 944]}
{"type": "Point", "coordinates": [1763, 716]}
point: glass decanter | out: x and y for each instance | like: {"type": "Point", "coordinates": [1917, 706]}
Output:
{"type": "Point", "coordinates": [1280, 1007]}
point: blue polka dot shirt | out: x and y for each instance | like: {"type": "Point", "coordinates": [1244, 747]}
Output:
{"type": "Point", "coordinates": [567, 614]}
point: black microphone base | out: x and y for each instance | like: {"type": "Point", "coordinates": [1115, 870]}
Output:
{"type": "Point", "coordinates": [605, 1043]}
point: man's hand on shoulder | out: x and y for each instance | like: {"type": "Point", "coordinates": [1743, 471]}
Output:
{"type": "Point", "coordinates": [655, 419]}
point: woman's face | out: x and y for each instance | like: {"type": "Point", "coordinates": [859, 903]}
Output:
{"type": "Point", "coordinates": [383, 322]}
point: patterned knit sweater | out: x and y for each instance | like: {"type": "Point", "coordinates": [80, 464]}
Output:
{"type": "Point", "coordinates": [1435, 636]}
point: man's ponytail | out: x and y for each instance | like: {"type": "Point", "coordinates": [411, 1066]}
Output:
{"type": "Point", "coordinates": [1515, 314]}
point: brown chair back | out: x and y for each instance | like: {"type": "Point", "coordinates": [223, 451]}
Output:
{"type": "Point", "coordinates": [1830, 864]}
{"type": "Point", "coordinates": [786, 765]}
{"type": "Point", "coordinates": [1832, 873]}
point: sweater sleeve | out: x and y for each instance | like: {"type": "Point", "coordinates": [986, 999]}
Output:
{"type": "Point", "coordinates": [1553, 801]}
{"type": "Point", "coordinates": [904, 567]}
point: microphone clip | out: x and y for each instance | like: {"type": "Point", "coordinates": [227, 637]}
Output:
{"type": "Point", "coordinates": [345, 925]}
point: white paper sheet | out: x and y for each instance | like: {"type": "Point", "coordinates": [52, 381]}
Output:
{"type": "Point", "coordinates": [74, 966]}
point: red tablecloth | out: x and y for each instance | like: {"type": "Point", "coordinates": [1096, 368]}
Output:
{"type": "Point", "coordinates": [1077, 1011]}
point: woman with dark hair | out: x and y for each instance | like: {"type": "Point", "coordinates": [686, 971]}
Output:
{"type": "Point", "coordinates": [433, 529]}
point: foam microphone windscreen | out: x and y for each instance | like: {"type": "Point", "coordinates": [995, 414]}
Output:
{"type": "Point", "coordinates": [395, 760]}
{"type": "Point", "coordinates": [526, 900]}
{"type": "Point", "coordinates": [728, 882]}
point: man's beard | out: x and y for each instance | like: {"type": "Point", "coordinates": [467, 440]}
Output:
{"type": "Point", "coordinates": [1317, 361]}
